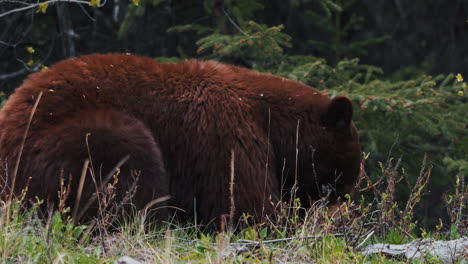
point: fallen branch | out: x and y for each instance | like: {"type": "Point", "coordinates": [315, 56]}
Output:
{"type": "Point", "coordinates": [447, 251]}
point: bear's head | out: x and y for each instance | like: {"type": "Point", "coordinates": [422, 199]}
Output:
{"type": "Point", "coordinates": [328, 151]}
{"type": "Point", "coordinates": [337, 120]}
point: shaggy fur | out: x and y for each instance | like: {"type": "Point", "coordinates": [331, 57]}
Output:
{"type": "Point", "coordinates": [198, 112]}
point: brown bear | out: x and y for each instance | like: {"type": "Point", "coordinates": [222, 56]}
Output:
{"type": "Point", "coordinates": [183, 124]}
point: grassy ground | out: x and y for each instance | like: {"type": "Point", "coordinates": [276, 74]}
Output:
{"type": "Point", "coordinates": [299, 236]}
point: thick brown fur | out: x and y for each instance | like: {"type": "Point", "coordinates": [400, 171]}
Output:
{"type": "Point", "coordinates": [197, 112]}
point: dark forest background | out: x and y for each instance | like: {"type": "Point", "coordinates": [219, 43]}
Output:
{"type": "Point", "coordinates": [397, 60]}
{"type": "Point", "coordinates": [427, 36]}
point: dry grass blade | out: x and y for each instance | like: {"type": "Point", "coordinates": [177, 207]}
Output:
{"type": "Point", "coordinates": [156, 201]}
{"type": "Point", "coordinates": [296, 160]}
{"type": "Point", "coordinates": [80, 189]}
{"type": "Point", "coordinates": [23, 141]}
{"type": "Point", "coordinates": [108, 177]}
{"type": "Point", "coordinates": [231, 195]}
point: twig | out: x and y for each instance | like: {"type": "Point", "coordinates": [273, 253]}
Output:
{"type": "Point", "coordinates": [365, 239]}
{"type": "Point", "coordinates": [232, 21]}
{"type": "Point", "coordinates": [31, 6]}
{"type": "Point", "coordinates": [369, 182]}
{"type": "Point", "coordinates": [14, 74]}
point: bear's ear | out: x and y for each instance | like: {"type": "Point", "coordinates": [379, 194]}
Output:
{"type": "Point", "coordinates": [339, 113]}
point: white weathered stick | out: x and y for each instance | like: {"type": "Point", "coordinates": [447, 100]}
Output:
{"type": "Point", "coordinates": [447, 251]}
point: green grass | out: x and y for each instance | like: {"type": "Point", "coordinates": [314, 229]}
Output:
{"type": "Point", "coordinates": [33, 241]}
{"type": "Point", "coordinates": [307, 236]}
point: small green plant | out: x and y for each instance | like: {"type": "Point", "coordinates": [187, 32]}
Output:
{"type": "Point", "coordinates": [457, 209]}
{"type": "Point", "coordinates": [26, 238]}
{"type": "Point", "coordinates": [252, 41]}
